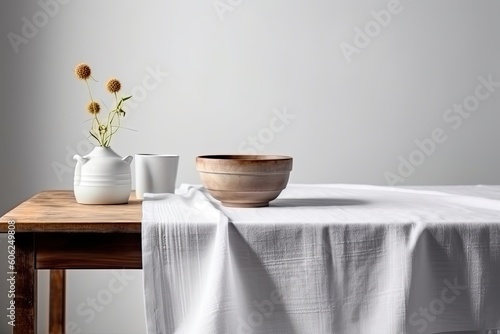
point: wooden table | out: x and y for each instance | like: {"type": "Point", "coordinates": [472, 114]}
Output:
{"type": "Point", "coordinates": [54, 232]}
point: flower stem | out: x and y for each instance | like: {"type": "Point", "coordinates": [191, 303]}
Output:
{"type": "Point", "coordinates": [96, 119]}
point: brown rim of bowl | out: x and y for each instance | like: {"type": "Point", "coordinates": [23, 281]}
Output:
{"type": "Point", "coordinates": [247, 157]}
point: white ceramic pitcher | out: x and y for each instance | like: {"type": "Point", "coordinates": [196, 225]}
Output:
{"type": "Point", "coordinates": [102, 177]}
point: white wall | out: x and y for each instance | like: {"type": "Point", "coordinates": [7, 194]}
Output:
{"type": "Point", "coordinates": [352, 122]}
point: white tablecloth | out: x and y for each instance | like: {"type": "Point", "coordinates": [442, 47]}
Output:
{"type": "Point", "coordinates": [324, 259]}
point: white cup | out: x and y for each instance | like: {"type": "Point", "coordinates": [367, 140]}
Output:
{"type": "Point", "coordinates": [155, 173]}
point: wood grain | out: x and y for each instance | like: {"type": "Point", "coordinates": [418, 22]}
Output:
{"type": "Point", "coordinates": [57, 302]}
{"type": "Point", "coordinates": [26, 285]}
{"type": "Point", "coordinates": [55, 232]}
{"type": "Point", "coordinates": [58, 211]}
{"type": "Point", "coordinates": [88, 251]}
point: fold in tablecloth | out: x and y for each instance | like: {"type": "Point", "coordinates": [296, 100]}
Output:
{"type": "Point", "coordinates": [324, 259]}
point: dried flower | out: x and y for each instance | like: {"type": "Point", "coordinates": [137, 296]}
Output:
{"type": "Point", "coordinates": [114, 86]}
{"type": "Point", "coordinates": [102, 130]}
{"type": "Point", "coordinates": [93, 108]}
{"type": "Point", "coordinates": [83, 71]}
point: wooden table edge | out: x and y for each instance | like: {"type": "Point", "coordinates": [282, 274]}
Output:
{"type": "Point", "coordinates": [53, 200]}
{"type": "Point", "coordinates": [74, 228]}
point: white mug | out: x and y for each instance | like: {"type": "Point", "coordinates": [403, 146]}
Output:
{"type": "Point", "coordinates": [155, 173]}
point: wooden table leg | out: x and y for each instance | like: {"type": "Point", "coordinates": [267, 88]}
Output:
{"type": "Point", "coordinates": [26, 281]}
{"type": "Point", "coordinates": [57, 307]}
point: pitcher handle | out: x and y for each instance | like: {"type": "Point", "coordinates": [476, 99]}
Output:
{"type": "Point", "coordinates": [80, 159]}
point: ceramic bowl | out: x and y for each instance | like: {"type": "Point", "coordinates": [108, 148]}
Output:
{"type": "Point", "coordinates": [245, 181]}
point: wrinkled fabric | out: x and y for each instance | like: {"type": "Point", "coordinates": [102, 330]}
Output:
{"type": "Point", "coordinates": [324, 259]}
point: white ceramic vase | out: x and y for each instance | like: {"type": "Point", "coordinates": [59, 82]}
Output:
{"type": "Point", "coordinates": [102, 177]}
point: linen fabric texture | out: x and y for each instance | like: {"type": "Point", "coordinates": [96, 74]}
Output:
{"type": "Point", "coordinates": [325, 258]}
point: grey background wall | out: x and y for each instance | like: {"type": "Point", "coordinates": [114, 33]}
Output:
{"type": "Point", "coordinates": [379, 92]}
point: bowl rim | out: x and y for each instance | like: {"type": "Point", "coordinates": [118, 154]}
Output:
{"type": "Point", "coordinates": [244, 157]}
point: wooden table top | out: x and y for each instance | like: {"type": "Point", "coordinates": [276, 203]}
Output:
{"type": "Point", "coordinates": [58, 211]}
